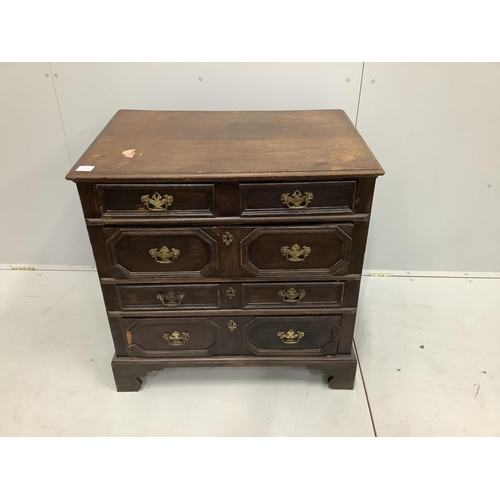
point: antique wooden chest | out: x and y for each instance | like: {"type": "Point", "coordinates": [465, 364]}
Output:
{"type": "Point", "coordinates": [229, 238]}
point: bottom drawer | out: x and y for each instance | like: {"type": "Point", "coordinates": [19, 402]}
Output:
{"type": "Point", "coordinates": [240, 335]}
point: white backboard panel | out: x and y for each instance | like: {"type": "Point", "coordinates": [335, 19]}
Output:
{"type": "Point", "coordinates": [435, 128]}
{"type": "Point", "coordinates": [41, 221]}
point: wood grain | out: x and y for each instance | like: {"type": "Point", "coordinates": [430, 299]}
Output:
{"type": "Point", "coordinates": [190, 145]}
{"type": "Point", "coordinates": [236, 192]}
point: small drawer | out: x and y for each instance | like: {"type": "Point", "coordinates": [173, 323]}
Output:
{"type": "Point", "coordinates": [156, 200]}
{"type": "Point", "coordinates": [168, 297]}
{"type": "Point", "coordinates": [292, 295]}
{"type": "Point", "coordinates": [172, 337]}
{"type": "Point", "coordinates": [300, 198]}
{"type": "Point", "coordinates": [288, 335]}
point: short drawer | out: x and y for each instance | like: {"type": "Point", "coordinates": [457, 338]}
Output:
{"type": "Point", "coordinates": [309, 335]}
{"type": "Point", "coordinates": [168, 297]}
{"type": "Point", "coordinates": [156, 200]}
{"type": "Point", "coordinates": [308, 198]}
{"type": "Point", "coordinates": [172, 337]}
{"type": "Point", "coordinates": [292, 295]}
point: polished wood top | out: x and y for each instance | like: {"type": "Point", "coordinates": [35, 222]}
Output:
{"type": "Point", "coordinates": [232, 145]}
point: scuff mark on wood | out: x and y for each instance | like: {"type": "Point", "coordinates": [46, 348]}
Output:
{"type": "Point", "coordinates": [129, 337]}
{"type": "Point", "coordinates": [128, 153]}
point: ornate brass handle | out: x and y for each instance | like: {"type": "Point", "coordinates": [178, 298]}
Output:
{"type": "Point", "coordinates": [291, 337]}
{"type": "Point", "coordinates": [297, 200]}
{"type": "Point", "coordinates": [232, 325]}
{"type": "Point", "coordinates": [296, 253]}
{"type": "Point", "coordinates": [157, 202]}
{"type": "Point", "coordinates": [230, 293]}
{"type": "Point", "coordinates": [176, 338]}
{"type": "Point", "coordinates": [164, 255]}
{"type": "Point", "coordinates": [291, 295]}
{"type": "Point", "coordinates": [171, 298]}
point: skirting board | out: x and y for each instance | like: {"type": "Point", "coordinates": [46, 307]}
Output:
{"type": "Point", "coordinates": [384, 273]}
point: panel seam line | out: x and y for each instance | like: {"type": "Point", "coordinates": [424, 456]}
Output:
{"type": "Point", "coordinates": [60, 114]}
{"type": "Point", "coordinates": [359, 95]}
{"type": "Point", "coordinates": [364, 387]}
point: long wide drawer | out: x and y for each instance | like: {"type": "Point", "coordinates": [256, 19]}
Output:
{"type": "Point", "coordinates": [251, 295]}
{"type": "Point", "coordinates": [265, 252]}
{"type": "Point", "coordinates": [261, 336]}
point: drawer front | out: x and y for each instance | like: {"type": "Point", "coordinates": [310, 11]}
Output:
{"type": "Point", "coordinates": [292, 295]}
{"type": "Point", "coordinates": [156, 200]}
{"type": "Point", "coordinates": [168, 297]}
{"type": "Point", "coordinates": [180, 252]}
{"type": "Point", "coordinates": [308, 251]}
{"type": "Point", "coordinates": [309, 198]}
{"type": "Point", "coordinates": [311, 335]}
{"type": "Point", "coordinates": [172, 337]}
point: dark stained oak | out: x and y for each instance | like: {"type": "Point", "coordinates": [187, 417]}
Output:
{"type": "Point", "coordinates": [229, 238]}
{"type": "Point", "coordinates": [318, 251]}
{"type": "Point", "coordinates": [185, 252]}
{"type": "Point", "coordinates": [174, 200]}
{"type": "Point", "coordinates": [163, 337]}
{"type": "Point", "coordinates": [297, 199]}
{"type": "Point", "coordinates": [338, 371]}
{"type": "Point", "coordinates": [210, 145]}
{"type": "Point", "coordinates": [233, 335]}
{"type": "Point", "coordinates": [209, 313]}
{"type": "Point", "coordinates": [168, 297]}
{"type": "Point", "coordinates": [300, 251]}
{"type": "Point", "coordinates": [309, 335]}
{"type": "Point", "coordinates": [290, 295]}
{"type": "Point", "coordinates": [174, 298]}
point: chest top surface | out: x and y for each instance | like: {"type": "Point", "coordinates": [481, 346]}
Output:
{"type": "Point", "coordinates": [196, 145]}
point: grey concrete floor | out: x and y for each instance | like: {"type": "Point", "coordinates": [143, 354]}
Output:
{"type": "Point", "coordinates": [428, 351]}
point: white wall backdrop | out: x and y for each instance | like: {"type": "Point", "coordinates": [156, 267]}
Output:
{"type": "Point", "coordinates": [40, 217]}
{"type": "Point", "coordinates": [433, 127]}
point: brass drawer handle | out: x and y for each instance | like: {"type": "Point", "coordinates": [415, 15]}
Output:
{"type": "Point", "coordinates": [176, 338]}
{"type": "Point", "coordinates": [171, 299]}
{"type": "Point", "coordinates": [297, 199]}
{"type": "Point", "coordinates": [292, 295]}
{"type": "Point", "coordinates": [291, 337]}
{"type": "Point", "coordinates": [296, 253]}
{"type": "Point", "coordinates": [232, 325]}
{"type": "Point", "coordinates": [157, 202]}
{"type": "Point", "coordinates": [164, 255]}
{"type": "Point", "coordinates": [230, 293]}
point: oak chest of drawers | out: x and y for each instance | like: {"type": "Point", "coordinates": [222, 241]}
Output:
{"type": "Point", "coordinates": [229, 238]}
